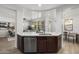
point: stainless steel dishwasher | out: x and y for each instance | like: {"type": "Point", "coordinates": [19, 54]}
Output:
{"type": "Point", "coordinates": [30, 44]}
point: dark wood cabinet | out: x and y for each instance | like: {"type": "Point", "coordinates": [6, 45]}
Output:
{"type": "Point", "coordinates": [59, 42]}
{"type": "Point", "coordinates": [50, 44]}
{"type": "Point", "coordinates": [77, 38]}
{"type": "Point", "coordinates": [20, 43]}
{"type": "Point", "coordinates": [41, 44]}
{"type": "Point", "coordinates": [44, 44]}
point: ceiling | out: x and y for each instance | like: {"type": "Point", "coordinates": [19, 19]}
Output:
{"type": "Point", "coordinates": [32, 6]}
{"type": "Point", "coordinates": [39, 6]}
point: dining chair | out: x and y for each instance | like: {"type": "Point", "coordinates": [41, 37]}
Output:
{"type": "Point", "coordinates": [71, 36]}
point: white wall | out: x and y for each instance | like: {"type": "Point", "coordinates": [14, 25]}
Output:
{"type": "Point", "coordinates": [59, 20]}
{"type": "Point", "coordinates": [72, 11]}
{"type": "Point", "coordinates": [19, 21]}
{"type": "Point", "coordinates": [7, 15]}
{"type": "Point", "coordinates": [75, 17]}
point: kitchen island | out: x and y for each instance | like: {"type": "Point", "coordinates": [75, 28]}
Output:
{"type": "Point", "coordinates": [39, 43]}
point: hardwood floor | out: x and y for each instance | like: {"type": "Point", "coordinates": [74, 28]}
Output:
{"type": "Point", "coordinates": [69, 48]}
{"type": "Point", "coordinates": [8, 47]}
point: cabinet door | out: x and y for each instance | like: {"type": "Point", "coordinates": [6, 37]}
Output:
{"type": "Point", "coordinates": [41, 44]}
{"type": "Point", "coordinates": [52, 44]}
{"type": "Point", "coordinates": [59, 42]}
{"type": "Point", "coordinates": [77, 38]}
{"type": "Point", "coordinates": [20, 43]}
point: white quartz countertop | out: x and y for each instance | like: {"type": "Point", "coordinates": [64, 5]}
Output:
{"type": "Point", "coordinates": [38, 34]}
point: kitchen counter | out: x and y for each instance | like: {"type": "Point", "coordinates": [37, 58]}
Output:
{"type": "Point", "coordinates": [40, 34]}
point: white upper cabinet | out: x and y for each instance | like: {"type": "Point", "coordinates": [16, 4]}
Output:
{"type": "Point", "coordinates": [51, 14]}
{"type": "Point", "coordinates": [50, 19]}
{"type": "Point", "coordinates": [36, 15]}
{"type": "Point", "coordinates": [31, 15]}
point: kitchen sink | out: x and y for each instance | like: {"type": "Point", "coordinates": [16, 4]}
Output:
{"type": "Point", "coordinates": [45, 34]}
